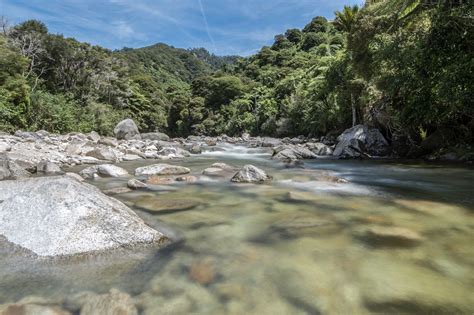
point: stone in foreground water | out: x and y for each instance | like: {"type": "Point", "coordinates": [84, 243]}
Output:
{"type": "Point", "coordinates": [59, 216]}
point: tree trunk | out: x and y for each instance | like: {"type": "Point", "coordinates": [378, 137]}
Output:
{"type": "Point", "coordinates": [354, 113]}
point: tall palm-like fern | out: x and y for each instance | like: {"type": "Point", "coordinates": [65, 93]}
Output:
{"type": "Point", "coordinates": [346, 18]}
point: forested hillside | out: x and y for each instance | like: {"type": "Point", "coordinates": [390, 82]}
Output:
{"type": "Point", "coordinates": [406, 67]}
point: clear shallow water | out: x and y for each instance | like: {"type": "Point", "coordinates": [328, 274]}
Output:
{"type": "Point", "coordinates": [296, 246]}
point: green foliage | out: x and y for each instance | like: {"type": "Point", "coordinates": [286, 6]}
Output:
{"type": "Point", "coordinates": [403, 66]}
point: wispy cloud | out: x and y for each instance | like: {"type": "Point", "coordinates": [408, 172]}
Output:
{"type": "Point", "coordinates": [222, 26]}
{"type": "Point", "coordinates": [206, 24]}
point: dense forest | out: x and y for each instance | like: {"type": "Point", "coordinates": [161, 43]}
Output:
{"type": "Point", "coordinates": [405, 67]}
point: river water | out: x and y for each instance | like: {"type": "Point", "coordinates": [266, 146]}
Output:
{"type": "Point", "coordinates": [307, 243]}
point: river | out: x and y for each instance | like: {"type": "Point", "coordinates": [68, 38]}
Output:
{"type": "Point", "coordinates": [393, 237]}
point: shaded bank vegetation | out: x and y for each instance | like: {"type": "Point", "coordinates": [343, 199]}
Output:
{"type": "Point", "coordinates": [405, 67]}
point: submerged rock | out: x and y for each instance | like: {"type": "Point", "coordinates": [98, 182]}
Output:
{"type": "Point", "coordinates": [203, 272]}
{"type": "Point", "coordinates": [250, 174]}
{"type": "Point", "coordinates": [136, 184]}
{"type": "Point", "coordinates": [59, 216]}
{"type": "Point", "coordinates": [389, 285]}
{"type": "Point", "coordinates": [126, 129]}
{"type": "Point", "coordinates": [162, 169]}
{"type": "Point", "coordinates": [159, 205]}
{"type": "Point", "coordinates": [187, 179]}
{"type": "Point", "coordinates": [159, 180]}
{"type": "Point", "coordinates": [391, 236]}
{"type": "Point", "coordinates": [31, 309]}
{"type": "Point", "coordinates": [113, 303]}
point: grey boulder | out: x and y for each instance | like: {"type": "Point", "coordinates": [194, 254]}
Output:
{"type": "Point", "coordinates": [360, 141]}
{"type": "Point", "coordinates": [250, 174]}
{"type": "Point", "coordinates": [290, 152]}
{"type": "Point", "coordinates": [126, 130]}
{"type": "Point", "coordinates": [59, 216]}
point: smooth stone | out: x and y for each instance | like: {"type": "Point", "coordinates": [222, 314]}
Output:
{"type": "Point", "coordinates": [117, 191]}
{"type": "Point", "coordinates": [103, 153]}
{"type": "Point", "coordinates": [158, 205]}
{"type": "Point", "coordinates": [389, 285]}
{"type": "Point", "coordinates": [126, 129]}
{"type": "Point", "coordinates": [59, 216]}
{"type": "Point", "coordinates": [131, 157]}
{"type": "Point", "coordinates": [187, 179]}
{"type": "Point", "coordinates": [31, 309]}
{"type": "Point", "coordinates": [203, 271]}
{"type": "Point", "coordinates": [250, 174]}
{"type": "Point", "coordinates": [136, 184]}
{"type": "Point", "coordinates": [158, 180]}
{"type": "Point", "coordinates": [224, 166]}
{"type": "Point", "coordinates": [113, 303]}
{"type": "Point", "coordinates": [162, 169]}
{"type": "Point", "coordinates": [89, 172]}
{"type": "Point", "coordinates": [213, 171]}
{"type": "Point", "coordinates": [111, 170]}
{"type": "Point", "coordinates": [391, 236]}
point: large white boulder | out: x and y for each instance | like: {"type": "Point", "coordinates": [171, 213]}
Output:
{"type": "Point", "coordinates": [59, 216]}
{"type": "Point", "coordinates": [162, 169]}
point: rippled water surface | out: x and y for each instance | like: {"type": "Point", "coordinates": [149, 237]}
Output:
{"type": "Point", "coordinates": [307, 243]}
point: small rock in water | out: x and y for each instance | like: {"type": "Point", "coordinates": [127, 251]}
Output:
{"type": "Point", "coordinates": [212, 171]}
{"type": "Point", "coordinates": [392, 236]}
{"type": "Point", "coordinates": [187, 179]}
{"type": "Point", "coordinates": [203, 272]}
{"type": "Point", "coordinates": [251, 174]}
{"type": "Point", "coordinates": [390, 285]}
{"type": "Point", "coordinates": [136, 184]}
{"type": "Point", "coordinates": [31, 309]}
{"type": "Point", "coordinates": [89, 172]}
{"type": "Point", "coordinates": [224, 166]}
{"type": "Point", "coordinates": [111, 170]}
{"type": "Point", "coordinates": [113, 303]}
{"type": "Point", "coordinates": [117, 191]}
{"type": "Point", "coordinates": [158, 180]}
{"type": "Point", "coordinates": [195, 149]}
{"type": "Point", "coordinates": [162, 169]}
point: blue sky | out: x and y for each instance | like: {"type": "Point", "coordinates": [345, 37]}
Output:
{"type": "Point", "coordinates": [224, 27]}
